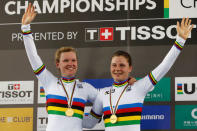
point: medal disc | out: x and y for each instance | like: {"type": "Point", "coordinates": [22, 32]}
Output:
{"type": "Point", "coordinates": [113, 119]}
{"type": "Point", "coordinates": [69, 112]}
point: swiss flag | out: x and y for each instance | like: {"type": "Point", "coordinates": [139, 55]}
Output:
{"type": "Point", "coordinates": [17, 86]}
{"type": "Point", "coordinates": [106, 34]}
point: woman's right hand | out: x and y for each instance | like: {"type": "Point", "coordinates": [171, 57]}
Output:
{"type": "Point", "coordinates": [29, 15]}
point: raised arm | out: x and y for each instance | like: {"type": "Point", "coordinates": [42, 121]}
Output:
{"type": "Point", "coordinates": [183, 31]}
{"type": "Point", "coordinates": [39, 68]}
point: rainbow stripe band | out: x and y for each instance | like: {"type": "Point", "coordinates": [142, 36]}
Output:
{"type": "Point", "coordinates": [179, 89]}
{"type": "Point", "coordinates": [120, 84]}
{"type": "Point", "coordinates": [95, 115]}
{"type": "Point", "coordinates": [39, 70]}
{"type": "Point", "coordinates": [128, 114]}
{"type": "Point", "coordinates": [26, 32]}
{"type": "Point", "coordinates": [57, 105]}
{"type": "Point", "coordinates": [152, 79]}
{"type": "Point", "coordinates": [178, 46]}
{"type": "Point", "coordinates": [42, 93]}
{"type": "Point", "coordinates": [68, 80]}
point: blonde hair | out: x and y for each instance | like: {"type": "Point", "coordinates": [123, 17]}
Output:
{"type": "Point", "coordinates": [61, 50]}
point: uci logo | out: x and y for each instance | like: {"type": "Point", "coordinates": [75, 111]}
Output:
{"type": "Point", "coordinates": [186, 88]}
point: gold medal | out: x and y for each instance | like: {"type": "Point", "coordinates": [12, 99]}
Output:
{"type": "Point", "coordinates": [69, 112]}
{"type": "Point", "coordinates": [113, 119]}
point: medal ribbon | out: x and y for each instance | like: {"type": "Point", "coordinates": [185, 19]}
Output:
{"type": "Point", "coordinates": [113, 111]}
{"type": "Point", "coordinates": [69, 100]}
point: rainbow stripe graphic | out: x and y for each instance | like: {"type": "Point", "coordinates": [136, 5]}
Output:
{"type": "Point", "coordinates": [128, 114]}
{"type": "Point", "coordinates": [42, 94]}
{"type": "Point", "coordinates": [178, 46]}
{"type": "Point", "coordinates": [179, 89]}
{"type": "Point", "coordinates": [68, 80]}
{"type": "Point", "coordinates": [166, 8]}
{"type": "Point", "coordinates": [120, 84]}
{"type": "Point", "coordinates": [39, 70]}
{"type": "Point", "coordinates": [26, 32]}
{"type": "Point", "coordinates": [57, 105]}
{"type": "Point", "coordinates": [152, 79]}
{"type": "Point", "coordinates": [95, 115]}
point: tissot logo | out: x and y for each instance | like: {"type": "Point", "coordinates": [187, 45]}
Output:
{"type": "Point", "coordinates": [99, 34]}
{"type": "Point", "coordinates": [156, 32]}
{"type": "Point", "coordinates": [14, 92]}
{"type": "Point", "coordinates": [189, 3]}
{"type": "Point", "coordinates": [14, 86]}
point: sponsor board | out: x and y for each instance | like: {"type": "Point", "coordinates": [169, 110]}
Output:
{"type": "Point", "coordinates": [185, 88]}
{"type": "Point", "coordinates": [82, 10]}
{"type": "Point", "coordinates": [16, 92]}
{"type": "Point", "coordinates": [16, 119]}
{"type": "Point", "coordinates": [182, 8]}
{"type": "Point", "coordinates": [41, 93]}
{"type": "Point", "coordinates": [156, 117]}
{"type": "Point", "coordinates": [186, 116]}
{"type": "Point", "coordinates": [88, 34]}
{"type": "Point", "coordinates": [161, 91]}
{"type": "Point", "coordinates": [42, 119]}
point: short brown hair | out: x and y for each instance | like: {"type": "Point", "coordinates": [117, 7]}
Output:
{"type": "Point", "coordinates": [124, 54]}
{"type": "Point", "coordinates": [63, 49]}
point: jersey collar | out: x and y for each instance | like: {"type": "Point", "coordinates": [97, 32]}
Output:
{"type": "Point", "coordinates": [68, 80]}
{"type": "Point", "coordinates": [120, 84]}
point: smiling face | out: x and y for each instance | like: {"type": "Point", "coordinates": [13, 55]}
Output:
{"type": "Point", "coordinates": [120, 68]}
{"type": "Point", "coordinates": [67, 64]}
